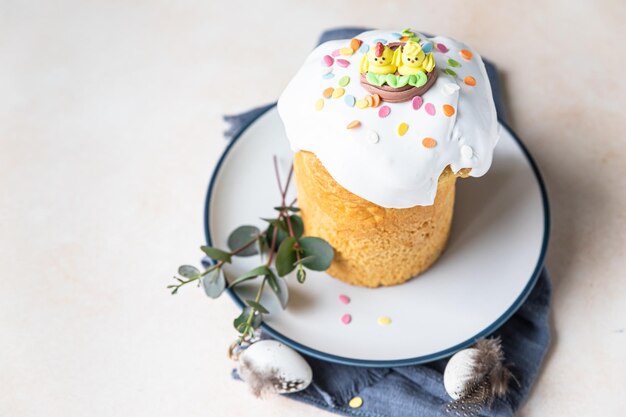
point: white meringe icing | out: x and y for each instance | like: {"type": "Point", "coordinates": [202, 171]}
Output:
{"type": "Point", "coordinates": [394, 171]}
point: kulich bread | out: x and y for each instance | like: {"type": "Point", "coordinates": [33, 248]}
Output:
{"type": "Point", "coordinates": [374, 246]}
{"type": "Point", "coordinates": [381, 127]}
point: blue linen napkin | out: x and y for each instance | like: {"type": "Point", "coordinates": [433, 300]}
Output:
{"type": "Point", "coordinates": [418, 391]}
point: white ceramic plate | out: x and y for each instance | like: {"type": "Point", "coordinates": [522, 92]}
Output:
{"type": "Point", "coordinates": [493, 259]}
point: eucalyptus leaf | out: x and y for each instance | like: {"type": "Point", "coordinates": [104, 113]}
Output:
{"type": "Point", "coordinates": [214, 283]}
{"type": "Point", "coordinates": [280, 236]}
{"type": "Point", "coordinates": [242, 235]}
{"type": "Point", "coordinates": [258, 271]}
{"type": "Point", "coordinates": [302, 260]}
{"type": "Point", "coordinates": [297, 225]}
{"type": "Point", "coordinates": [188, 271]}
{"type": "Point", "coordinates": [272, 280]}
{"type": "Point", "coordinates": [286, 257]}
{"type": "Point", "coordinates": [257, 306]}
{"type": "Point", "coordinates": [241, 321]}
{"type": "Point", "coordinates": [215, 253]}
{"type": "Point", "coordinates": [283, 208]}
{"type": "Point", "coordinates": [320, 250]}
{"type": "Point", "coordinates": [283, 292]}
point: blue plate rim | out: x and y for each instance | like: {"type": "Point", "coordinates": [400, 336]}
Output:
{"type": "Point", "coordinates": [409, 361]}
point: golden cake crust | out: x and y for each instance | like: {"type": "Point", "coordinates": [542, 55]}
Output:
{"type": "Point", "coordinates": [374, 246]}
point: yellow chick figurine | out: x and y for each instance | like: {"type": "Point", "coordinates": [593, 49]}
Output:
{"type": "Point", "coordinates": [413, 59]}
{"type": "Point", "coordinates": [379, 60]}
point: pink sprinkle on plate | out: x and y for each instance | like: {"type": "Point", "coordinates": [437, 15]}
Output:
{"type": "Point", "coordinates": [384, 111]}
{"type": "Point", "coordinates": [336, 52]}
{"type": "Point", "coordinates": [344, 299]}
{"type": "Point", "coordinates": [343, 63]}
{"type": "Point", "coordinates": [346, 318]}
{"type": "Point", "coordinates": [442, 48]}
{"type": "Point", "coordinates": [417, 102]}
{"type": "Point", "coordinates": [430, 109]}
{"type": "Point", "coordinates": [327, 60]}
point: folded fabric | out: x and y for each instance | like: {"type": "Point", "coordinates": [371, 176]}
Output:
{"type": "Point", "coordinates": [413, 391]}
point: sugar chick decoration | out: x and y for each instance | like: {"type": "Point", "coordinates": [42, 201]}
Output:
{"type": "Point", "coordinates": [410, 59]}
{"type": "Point", "coordinates": [378, 60]}
{"type": "Point", "coordinates": [398, 71]}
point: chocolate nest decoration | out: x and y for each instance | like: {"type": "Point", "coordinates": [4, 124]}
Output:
{"type": "Point", "coordinates": [401, 94]}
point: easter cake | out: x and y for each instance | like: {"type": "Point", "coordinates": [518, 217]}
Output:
{"type": "Point", "coordinates": [381, 127]}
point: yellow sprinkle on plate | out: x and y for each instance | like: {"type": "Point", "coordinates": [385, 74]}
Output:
{"type": "Point", "coordinates": [356, 402]}
{"type": "Point", "coordinates": [402, 128]}
{"type": "Point", "coordinates": [353, 124]}
{"type": "Point", "coordinates": [338, 92]}
{"type": "Point", "coordinates": [361, 104]}
{"type": "Point", "coordinates": [384, 321]}
{"type": "Point", "coordinates": [319, 104]}
{"type": "Point", "coordinates": [346, 51]}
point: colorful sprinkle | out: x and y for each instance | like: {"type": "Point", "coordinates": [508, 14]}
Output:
{"type": "Point", "coordinates": [451, 88]}
{"type": "Point", "coordinates": [336, 53]}
{"type": "Point", "coordinates": [346, 318]}
{"type": "Point", "coordinates": [327, 60]}
{"type": "Point", "coordinates": [355, 44]}
{"type": "Point", "coordinates": [465, 54]}
{"type": "Point", "coordinates": [344, 299]}
{"type": "Point", "coordinates": [319, 104]}
{"type": "Point", "coordinates": [370, 101]}
{"type": "Point", "coordinates": [328, 76]}
{"type": "Point", "coordinates": [372, 137]}
{"type": "Point", "coordinates": [376, 99]}
{"type": "Point", "coordinates": [326, 70]}
{"type": "Point", "coordinates": [353, 124]}
{"type": "Point", "coordinates": [427, 47]}
{"type": "Point", "coordinates": [375, 41]}
{"type": "Point", "coordinates": [417, 102]}
{"type": "Point", "coordinates": [384, 111]}
{"type": "Point", "coordinates": [453, 63]}
{"type": "Point", "coordinates": [343, 63]}
{"type": "Point", "coordinates": [396, 35]}
{"type": "Point", "coordinates": [361, 103]}
{"type": "Point", "coordinates": [364, 48]}
{"type": "Point", "coordinates": [430, 109]}
{"type": "Point", "coordinates": [349, 100]}
{"type": "Point", "coordinates": [384, 321]}
{"type": "Point", "coordinates": [346, 51]}
{"type": "Point", "coordinates": [338, 92]}
{"type": "Point", "coordinates": [467, 152]}
{"type": "Point", "coordinates": [469, 80]}
{"type": "Point", "coordinates": [327, 93]}
{"type": "Point", "coordinates": [343, 81]}
{"type": "Point", "coordinates": [402, 128]}
{"type": "Point", "coordinates": [429, 143]}
{"type": "Point", "coordinates": [448, 110]}
{"type": "Point", "coordinates": [450, 72]}
{"type": "Point", "coordinates": [405, 38]}
{"type": "Point", "coordinates": [442, 48]}
{"type": "Point", "coordinates": [356, 402]}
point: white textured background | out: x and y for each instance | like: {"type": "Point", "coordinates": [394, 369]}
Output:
{"type": "Point", "coordinates": [110, 123]}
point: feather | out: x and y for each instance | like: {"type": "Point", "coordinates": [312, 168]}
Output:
{"type": "Point", "coordinates": [490, 380]}
{"type": "Point", "coordinates": [264, 382]}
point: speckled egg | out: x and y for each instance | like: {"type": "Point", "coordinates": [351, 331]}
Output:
{"type": "Point", "coordinates": [273, 366]}
{"type": "Point", "coordinates": [459, 372]}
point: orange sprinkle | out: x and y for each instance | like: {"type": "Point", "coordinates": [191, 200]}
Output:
{"type": "Point", "coordinates": [370, 101]}
{"type": "Point", "coordinates": [465, 54]}
{"type": "Point", "coordinates": [353, 124]}
{"type": "Point", "coordinates": [355, 44]}
{"type": "Point", "coordinates": [376, 99]}
{"type": "Point", "coordinates": [328, 92]}
{"type": "Point", "coordinates": [469, 80]}
{"type": "Point", "coordinates": [448, 110]}
{"type": "Point", "coordinates": [429, 143]}
{"type": "Point", "coordinates": [404, 38]}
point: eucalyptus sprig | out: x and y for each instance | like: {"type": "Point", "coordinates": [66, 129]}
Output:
{"type": "Point", "coordinates": [283, 246]}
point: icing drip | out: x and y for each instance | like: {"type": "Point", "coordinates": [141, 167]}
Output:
{"type": "Point", "coordinates": [458, 118]}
